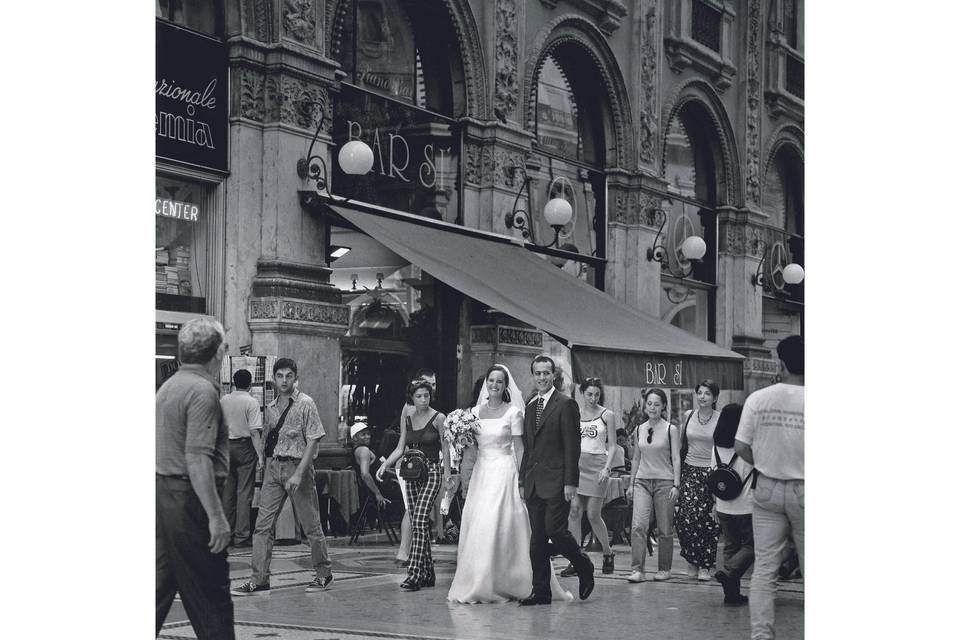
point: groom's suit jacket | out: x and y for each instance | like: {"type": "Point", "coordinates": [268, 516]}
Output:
{"type": "Point", "coordinates": [551, 453]}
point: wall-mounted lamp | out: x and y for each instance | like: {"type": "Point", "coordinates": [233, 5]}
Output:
{"type": "Point", "coordinates": [557, 212]}
{"type": "Point", "coordinates": [691, 250]}
{"type": "Point", "coordinates": [780, 272]}
{"type": "Point", "coordinates": [355, 157]}
{"type": "Point", "coordinates": [354, 277]}
{"type": "Point", "coordinates": [379, 280]}
{"type": "Point", "coordinates": [337, 252]}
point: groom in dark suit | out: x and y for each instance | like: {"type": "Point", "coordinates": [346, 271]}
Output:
{"type": "Point", "coordinates": [549, 475]}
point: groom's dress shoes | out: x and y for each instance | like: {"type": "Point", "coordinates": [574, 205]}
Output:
{"type": "Point", "coordinates": [534, 599]}
{"type": "Point", "coordinates": [586, 582]}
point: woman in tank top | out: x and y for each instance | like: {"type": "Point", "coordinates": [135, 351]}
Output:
{"type": "Point", "coordinates": [696, 529]}
{"type": "Point", "coordinates": [422, 431]}
{"type": "Point", "coordinates": [654, 481]}
{"type": "Point", "coordinates": [598, 445]}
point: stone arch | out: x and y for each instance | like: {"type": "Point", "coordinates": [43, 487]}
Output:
{"type": "Point", "coordinates": [574, 29]}
{"type": "Point", "coordinates": [699, 92]}
{"type": "Point", "coordinates": [787, 136]}
{"type": "Point", "coordinates": [467, 36]}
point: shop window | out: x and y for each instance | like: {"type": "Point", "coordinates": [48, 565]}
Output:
{"type": "Point", "coordinates": [182, 223]}
{"type": "Point", "coordinates": [692, 313]}
{"type": "Point", "coordinates": [199, 15]}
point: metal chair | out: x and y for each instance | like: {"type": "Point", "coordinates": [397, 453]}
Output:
{"type": "Point", "coordinates": [618, 513]}
{"type": "Point", "coordinates": [363, 517]}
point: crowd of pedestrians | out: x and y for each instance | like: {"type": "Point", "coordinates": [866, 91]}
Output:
{"type": "Point", "coordinates": [209, 448]}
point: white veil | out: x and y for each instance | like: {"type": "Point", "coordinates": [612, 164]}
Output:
{"type": "Point", "coordinates": [516, 396]}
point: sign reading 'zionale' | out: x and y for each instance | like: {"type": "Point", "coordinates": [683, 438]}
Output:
{"type": "Point", "coordinates": [191, 92]}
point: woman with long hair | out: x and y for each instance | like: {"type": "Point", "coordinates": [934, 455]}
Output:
{"type": "Point", "coordinates": [654, 482]}
{"type": "Point", "coordinates": [598, 446]}
{"type": "Point", "coordinates": [696, 528]}
{"type": "Point", "coordinates": [422, 431]}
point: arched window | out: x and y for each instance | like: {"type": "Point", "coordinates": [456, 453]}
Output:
{"type": "Point", "coordinates": [401, 49]}
{"type": "Point", "coordinates": [569, 123]}
{"type": "Point", "coordinates": [691, 172]}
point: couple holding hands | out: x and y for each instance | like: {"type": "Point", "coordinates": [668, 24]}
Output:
{"type": "Point", "coordinates": [515, 515]}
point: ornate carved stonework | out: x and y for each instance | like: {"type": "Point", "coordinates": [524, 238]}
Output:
{"type": "Point", "coordinates": [521, 337]}
{"type": "Point", "coordinates": [315, 312]}
{"type": "Point", "coordinates": [251, 95]}
{"type": "Point", "coordinates": [506, 60]}
{"type": "Point", "coordinates": [739, 239]}
{"type": "Point", "coordinates": [262, 17]}
{"type": "Point", "coordinates": [284, 98]}
{"type": "Point", "coordinates": [490, 166]}
{"type": "Point", "coordinates": [300, 20]}
{"type": "Point", "coordinates": [264, 309]}
{"type": "Point", "coordinates": [649, 53]}
{"type": "Point", "coordinates": [472, 164]}
{"type": "Point", "coordinates": [752, 150]}
{"type": "Point", "coordinates": [482, 335]}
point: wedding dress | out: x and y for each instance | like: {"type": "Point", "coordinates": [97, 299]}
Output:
{"type": "Point", "coordinates": [493, 555]}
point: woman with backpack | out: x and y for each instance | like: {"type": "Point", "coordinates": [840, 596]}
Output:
{"type": "Point", "coordinates": [696, 529]}
{"type": "Point", "coordinates": [734, 514]}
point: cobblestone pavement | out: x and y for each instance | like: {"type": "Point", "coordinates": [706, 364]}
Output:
{"type": "Point", "coordinates": [364, 602]}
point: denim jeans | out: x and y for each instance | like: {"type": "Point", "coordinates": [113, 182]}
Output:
{"type": "Point", "coordinates": [777, 514]}
{"type": "Point", "coordinates": [737, 534]}
{"type": "Point", "coordinates": [306, 510]}
{"type": "Point", "coordinates": [186, 565]}
{"type": "Point", "coordinates": [238, 490]}
{"type": "Point", "coordinates": [649, 496]}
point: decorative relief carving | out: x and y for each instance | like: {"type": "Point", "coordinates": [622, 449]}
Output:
{"type": "Point", "coordinates": [284, 97]}
{"type": "Point", "coordinates": [315, 312]}
{"type": "Point", "coordinates": [506, 60]}
{"type": "Point", "coordinates": [648, 82]}
{"type": "Point", "coordinates": [264, 309]}
{"type": "Point", "coordinates": [482, 335]}
{"type": "Point", "coordinates": [251, 95]}
{"type": "Point", "coordinates": [337, 10]}
{"type": "Point", "coordinates": [300, 20]}
{"type": "Point", "coordinates": [521, 337]}
{"type": "Point", "coordinates": [263, 18]}
{"type": "Point", "coordinates": [753, 103]}
{"type": "Point", "coordinates": [472, 161]}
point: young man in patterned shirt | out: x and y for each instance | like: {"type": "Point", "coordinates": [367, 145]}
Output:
{"type": "Point", "coordinates": [292, 431]}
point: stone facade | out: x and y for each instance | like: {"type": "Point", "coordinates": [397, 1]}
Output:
{"type": "Point", "coordinates": [650, 64]}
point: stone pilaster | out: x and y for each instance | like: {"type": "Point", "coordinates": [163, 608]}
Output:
{"type": "Point", "coordinates": [294, 312]}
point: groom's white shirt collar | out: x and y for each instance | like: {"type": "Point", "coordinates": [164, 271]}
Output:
{"type": "Point", "coordinates": [546, 396]}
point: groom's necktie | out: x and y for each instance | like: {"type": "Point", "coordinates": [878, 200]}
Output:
{"type": "Point", "coordinates": [539, 409]}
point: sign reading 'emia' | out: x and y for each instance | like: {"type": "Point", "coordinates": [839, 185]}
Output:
{"type": "Point", "coordinates": [191, 91]}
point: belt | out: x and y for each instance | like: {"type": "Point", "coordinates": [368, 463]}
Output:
{"type": "Point", "coordinates": [184, 481]}
{"type": "Point", "coordinates": [285, 459]}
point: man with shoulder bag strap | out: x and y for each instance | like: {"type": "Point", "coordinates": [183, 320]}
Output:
{"type": "Point", "coordinates": [293, 431]}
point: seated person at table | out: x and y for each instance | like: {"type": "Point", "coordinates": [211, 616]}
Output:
{"type": "Point", "coordinates": [365, 465]}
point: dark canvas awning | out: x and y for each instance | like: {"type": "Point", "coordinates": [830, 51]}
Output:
{"type": "Point", "coordinates": [608, 339]}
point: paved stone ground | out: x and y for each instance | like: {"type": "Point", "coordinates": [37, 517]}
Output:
{"type": "Point", "coordinates": [364, 602]}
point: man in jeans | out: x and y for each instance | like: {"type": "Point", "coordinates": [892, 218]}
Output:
{"type": "Point", "coordinates": [241, 412]}
{"type": "Point", "coordinates": [293, 430]}
{"type": "Point", "coordinates": [770, 437]}
{"type": "Point", "coordinates": [192, 461]}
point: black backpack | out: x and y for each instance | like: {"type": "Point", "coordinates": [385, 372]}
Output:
{"type": "Point", "coordinates": [724, 482]}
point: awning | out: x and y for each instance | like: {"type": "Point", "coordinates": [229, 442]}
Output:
{"type": "Point", "coordinates": [609, 339]}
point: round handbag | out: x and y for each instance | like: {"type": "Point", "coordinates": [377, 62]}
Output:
{"type": "Point", "coordinates": [413, 466]}
{"type": "Point", "coordinates": [724, 482]}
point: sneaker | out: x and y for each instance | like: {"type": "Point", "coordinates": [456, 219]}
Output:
{"type": "Point", "coordinates": [636, 576]}
{"type": "Point", "coordinates": [319, 584]}
{"type": "Point", "coordinates": [703, 575]}
{"type": "Point", "coordinates": [662, 575]}
{"type": "Point", "coordinates": [248, 589]}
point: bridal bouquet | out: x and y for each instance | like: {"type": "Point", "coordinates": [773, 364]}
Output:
{"type": "Point", "coordinates": [460, 430]}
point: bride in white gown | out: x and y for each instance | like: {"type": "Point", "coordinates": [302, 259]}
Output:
{"type": "Point", "coordinates": [493, 555]}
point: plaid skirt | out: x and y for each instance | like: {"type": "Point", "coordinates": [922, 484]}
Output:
{"type": "Point", "coordinates": [696, 530]}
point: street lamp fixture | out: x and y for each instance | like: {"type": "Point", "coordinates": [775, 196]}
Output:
{"type": "Point", "coordinates": [355, 157]}
{"type": "Point", "coordinates": [691, 250]}
{"type": "Point", "coordinates": [557, 212]}
{"type": "Point", "coordinates": [775, 256]}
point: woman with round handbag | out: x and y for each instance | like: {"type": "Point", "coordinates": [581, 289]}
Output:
{"type": "Point", "coordinates": [422, 453]}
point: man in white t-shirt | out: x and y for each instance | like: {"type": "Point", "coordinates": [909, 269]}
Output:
{"type": "Point", "coordinates": [770, 437]}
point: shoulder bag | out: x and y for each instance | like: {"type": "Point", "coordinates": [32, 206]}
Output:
{"type": "Point", "coordinates": [724, 482]}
